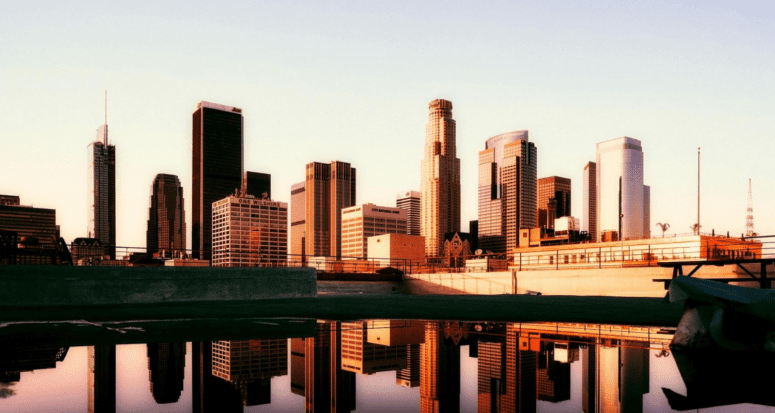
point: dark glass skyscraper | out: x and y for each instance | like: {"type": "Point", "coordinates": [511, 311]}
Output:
{"type": "Point", "coordinates": [217, 167]}
{"type": "Point", "coordinates": [166, 218]}
{"type": "Point", "coordinates": [102, 191]}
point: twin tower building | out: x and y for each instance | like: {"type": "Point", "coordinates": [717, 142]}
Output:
{"type": "Point", "coordinates": [615, 201]}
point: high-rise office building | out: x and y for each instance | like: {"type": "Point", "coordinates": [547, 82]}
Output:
{"type": "Point", "coordinates": [553, 200]}
{"type": "Point", "coordinates": [363, 221]}
{"type": "Point", "coordinates": [328, 189]}
{"type": "Point", "coordinates": [440, 198]}
{"type": "Point", "coordinates": [298, 221]}
{"type": "Point", "coordinates": [621, 202]}
{"type": "Point", "coordinates": [217, 167]}
{"type": "Point", "coordinates": [439, 371]}
{"type": "Point", "coordinates": [101, 378]}
{"type": "Point", "coordinates": [249, 232]}
{"type": "Point", "coordinates": [589, 203]}
{"type": "Point", "coordinates": [102, 190]}
{"type": "Point", "coordinates": [410, 201]}
{"type": "Point", "coordinates": [507, 190]}
{"type": "Point", "coordinates": [258, 184]}
{"type": "Point", "coordinates": [166, 232]}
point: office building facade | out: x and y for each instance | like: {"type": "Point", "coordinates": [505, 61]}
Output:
{"type": "Point", "coordinates": [30, 223]}
{"type": "Point", "coordinates": [507, 187]}
{"type": "Point", "coordinates": [166, 233]}
{"type": "Point", "coordinates": [217, 167]}
{"type": "Point", "coordinates": [621, 203]}
{"type": "Point", "coordinates": [440, 179]}
{"type": "Point", "coordinates": [298, 220]}
{"type": "Point", "coordinates": [328, 189]}
{"type": "Point", "coordinates": [410, 201]}
{"type": "Point", "coordinates": [589, 202]}
{"type": "Point", "coordinates": [102, 191]}
{"type": "Point", "coordinates": [553, 200]}
{"type": "Point", "coordinates": [363, 221]}
{"type": "Point", "coordinates": [249, 232]}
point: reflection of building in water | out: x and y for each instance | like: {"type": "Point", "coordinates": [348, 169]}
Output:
{"type": "Point", "coordinates": [440, 371]}
{"type": "Point", "coordinates": [552, 376]}
{"type": "Point", "coordinates": [621, 377]}
{"type": "Point", "coordinates": [406, 333]}
{"type": "Point", "coordinates": [101, 377]}
{"type": "Point", "coordinates": [28, 357]}
{"type": "Point", "coordinates": [210, 393]}
{"type": "Point", "coordinates": [491, 363]}
{"type": "Point", "coordinates": [165, 370]}
{"type": "Point", "coordinates": [249, 365]}
{"type": "Point", "coordinates": [410, 376]}
{"type": "Point", "coordinates": [589, 378]}
{"type": "Point", "coordinates": [363, 357]}
{"type": "Point", "coordinates": [316, 372]}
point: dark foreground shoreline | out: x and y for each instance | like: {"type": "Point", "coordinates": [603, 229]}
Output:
{"type": "Point", "coordinates": [507, 308]}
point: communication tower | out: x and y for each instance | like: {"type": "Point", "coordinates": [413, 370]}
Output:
{"type": "Point", "coordinates": [749, 217]}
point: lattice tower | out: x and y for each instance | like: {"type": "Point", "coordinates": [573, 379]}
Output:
{"type": "Point", "coordinates": [749, 217]}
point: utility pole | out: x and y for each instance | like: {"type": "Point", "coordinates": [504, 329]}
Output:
{"type": "Point", "coordinates": [698, 190]}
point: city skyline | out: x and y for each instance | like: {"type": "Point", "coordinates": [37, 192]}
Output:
{"type": "Point", "coordinates": [682, 98]}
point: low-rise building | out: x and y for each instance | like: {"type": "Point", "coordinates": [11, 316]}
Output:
{"type": "Point", "coordinates": [396, 250]}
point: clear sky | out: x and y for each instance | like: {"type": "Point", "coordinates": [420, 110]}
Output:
{"type": "Point", "coordinates": [351, 81]}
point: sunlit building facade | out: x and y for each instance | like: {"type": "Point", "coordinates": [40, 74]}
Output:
{"type": "Point", "coordinates": [440, 179]}
{"type": "Point", "coordinates": [621, 200]}
{"type": "Point", "coordinates": [328, 189]}
{"type": "Point", "coordinates": [410, 201]}
{"type": "Point", "coordinates": [249, 232]}
{"type": "Point", "coordinates": [506, 190]}
{"type": "Point", "coordinates": [363, 221]}
{"type": "Point", "coordinates": [554, 200]}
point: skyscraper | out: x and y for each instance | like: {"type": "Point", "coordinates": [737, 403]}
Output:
{"type": "Point", "coordinates": [298, 221]}
{"type": "Point", "coordinates": [217, 167]}
{"type": "Point", "coordinates": [166, 232]}
{"type": "Point", "coordinates": [620, 189]}
{"type": "Point", "coordinates": [589, 203]}
{"type": "Point", "coordinates": [440, 199]}
{"type": "Point", "coordinates": [410, 201]}
{"type": "Point", "coordinates": [328, 189]}
{"type": "Point", "coordinates": [102, 189]}
{"type": "Point", "coordinates": [508, 168]}
{"type": "Point", "coordinates": [553, 200]}
{"type": "Point", "coordinates": [258, 184]}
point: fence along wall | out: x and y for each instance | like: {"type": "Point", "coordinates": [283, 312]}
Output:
{"type": "Point", "coordinates": [635, 253]}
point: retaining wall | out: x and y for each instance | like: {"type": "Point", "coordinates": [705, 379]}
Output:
{"type": "Point", "coordinates": [48, 285]}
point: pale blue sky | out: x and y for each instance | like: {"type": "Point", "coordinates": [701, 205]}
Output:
{"type": "Point", "coordinates": [351, 81]}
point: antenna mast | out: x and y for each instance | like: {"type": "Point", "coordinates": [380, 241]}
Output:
{"type": "Point", "coordinates": [749, 218]}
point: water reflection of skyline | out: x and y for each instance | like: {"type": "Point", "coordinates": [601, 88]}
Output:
{"type": "Point", "coordinates": [518, 366]}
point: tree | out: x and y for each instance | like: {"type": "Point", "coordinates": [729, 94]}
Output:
{"type": "Point", "coordinates": [664, 227]}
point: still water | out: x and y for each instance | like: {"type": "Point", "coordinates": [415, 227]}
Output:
{"type": "Point", "coordinates": [271, 365]}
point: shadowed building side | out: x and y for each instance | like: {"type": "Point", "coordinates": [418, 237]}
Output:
{"type": "Point", "coordinates": [217, 167]}
{"type": "Point", "coordinates": [166, 232]}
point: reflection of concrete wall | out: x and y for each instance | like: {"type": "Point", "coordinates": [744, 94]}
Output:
{"type": "Point", "coordinates": [50, 285]}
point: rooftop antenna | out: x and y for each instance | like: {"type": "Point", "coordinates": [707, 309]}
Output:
{"type": "Point", "coordinates": [105, 136]}
{"type": "Point", "coordinates": [749, 217]}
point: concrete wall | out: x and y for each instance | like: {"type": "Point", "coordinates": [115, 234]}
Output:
{"type": "Point", "coordinates": [616, 282]}
{"type": "Point", "coordinates": [40, 285]}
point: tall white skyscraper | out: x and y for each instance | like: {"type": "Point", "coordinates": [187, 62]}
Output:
{"type": "Point", "coordinates": [620, 189]}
